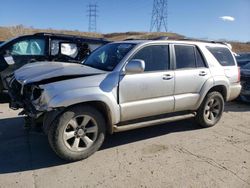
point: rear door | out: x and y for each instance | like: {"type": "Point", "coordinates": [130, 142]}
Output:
{"type": "Point", "coordinates": [191, 73]}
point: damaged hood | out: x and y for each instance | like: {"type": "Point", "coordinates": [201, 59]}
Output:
{"type": "Point", "coordinates": [36, 72]}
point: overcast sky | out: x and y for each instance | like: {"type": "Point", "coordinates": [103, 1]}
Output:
{"type": "Point", "coordinates": [211, 19]}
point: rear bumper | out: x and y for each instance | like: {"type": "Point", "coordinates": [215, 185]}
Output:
{"type": "Point", "coordinates": [234, 91]}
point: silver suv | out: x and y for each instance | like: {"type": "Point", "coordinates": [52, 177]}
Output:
{"type": "Point", "coordinates": [123, 86]}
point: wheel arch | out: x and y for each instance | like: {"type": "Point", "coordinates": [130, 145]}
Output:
{"type": "Point", "coordinates": [222, 88]}
{"type": "Point", "coordinates": [101, 106]}
{"type": "Point", "coordinates": [105, 111]}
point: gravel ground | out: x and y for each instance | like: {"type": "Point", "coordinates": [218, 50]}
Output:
{"type": "Point", "coordinates": [176, 154]}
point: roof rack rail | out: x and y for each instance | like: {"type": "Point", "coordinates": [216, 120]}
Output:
{"type": "Point", "coordinates": [161, 38]}
{"type": "Point", "coordinates": [157, 38]}
{"type": "Point", "coordinates": [129, 39]}
{"type": "Point", "coordinates": [201, 40]}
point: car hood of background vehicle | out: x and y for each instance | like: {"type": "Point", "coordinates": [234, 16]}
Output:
{"type": "Point", "coordinates": [36, 72]}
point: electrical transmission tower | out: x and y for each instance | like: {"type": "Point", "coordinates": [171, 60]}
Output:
{"type": "Point", "coordinates": [92, 15]}
{"type": "Point", "coordinates": [159, 18]}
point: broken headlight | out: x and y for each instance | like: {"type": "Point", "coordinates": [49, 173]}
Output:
{"type": "Point", "coordinates": [36, 93]}
{"type": "Point", "coordinates": [36, 97]}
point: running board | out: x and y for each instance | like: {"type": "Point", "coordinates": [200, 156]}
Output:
{"type": "Point", "coordinates": [151, 122]}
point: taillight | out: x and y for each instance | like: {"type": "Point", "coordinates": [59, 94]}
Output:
{"type": "Point", "coordinates": [238, 74]}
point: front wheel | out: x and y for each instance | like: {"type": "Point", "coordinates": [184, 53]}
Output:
{"type": "Point", "coordinates": [77, 133]}
{"type": "Point", "coordinates": [211, 110]}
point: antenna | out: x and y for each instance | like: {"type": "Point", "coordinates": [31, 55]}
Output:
{"type": "Point", "coordinates": [159, 19]}
{"type": "Point", "coordinates": [92, 14]}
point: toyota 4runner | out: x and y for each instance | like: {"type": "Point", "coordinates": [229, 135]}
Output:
{"type": "Point", "coordinates": [123, 86]}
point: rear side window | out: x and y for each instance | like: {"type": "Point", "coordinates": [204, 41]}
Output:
{"type": "Point", "coordinates": [223, 55]}
{"type": "Point", "coordinates": [185, 56]}
{"type": "Point", "coordinates": [54, 47]}
{"type": "Point", "coordinates": [156, 57]}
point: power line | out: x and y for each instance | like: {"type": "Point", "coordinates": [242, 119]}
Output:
{"type": "Point", "coordinates": [159, 19]}
{"type": "Point", "coordinates": [92, 15]}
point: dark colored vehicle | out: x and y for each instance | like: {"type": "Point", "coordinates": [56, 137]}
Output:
{"type": "Point", "coordinates": [243, 59]}
{"type": "Point", "coordinates": [245, 82]}
{"type": "Point", "coordinates": [43, 47]}
{"type": "Point", "coordinates": [1, 42]}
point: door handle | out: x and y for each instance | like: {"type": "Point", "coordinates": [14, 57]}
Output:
{"type": "Point", "coordinates": [202, 73]}
{"type": "Point", "coordinates": [167, 77]}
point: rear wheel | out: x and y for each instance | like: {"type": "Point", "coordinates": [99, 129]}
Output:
{"type": "Point", "coordinates": [211, 109]}
{"type": "Point", "coordinates": [77, 133]}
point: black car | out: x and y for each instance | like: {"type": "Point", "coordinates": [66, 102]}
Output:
{"type": "Point", "coordinates": [43, 47]}
{"type": "Point", "coordinates": [245, 82]}
{"type": "Point", "coordinates": [243, 58]}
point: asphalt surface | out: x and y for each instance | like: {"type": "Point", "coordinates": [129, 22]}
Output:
{"type": "Point", "coordinates": [178, 154]}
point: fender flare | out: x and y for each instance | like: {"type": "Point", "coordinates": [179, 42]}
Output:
{"type": "Point", "coordinates": [210, 84]}
{"type": "Point", "coordinates": [92, 94]}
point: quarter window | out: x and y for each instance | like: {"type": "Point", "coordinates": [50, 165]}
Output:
{"type": "Point", "coordinates": [185, 56]}
{"type": "Point", "coordinates": [28, 47]}
{"type": "Point", "coordinates": [156, 57]}
{"type": "Point", "coordinates": [223, 55]}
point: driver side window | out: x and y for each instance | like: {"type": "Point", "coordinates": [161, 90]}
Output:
{"type": "Point", "coordinates": [28, 47]}
{"type": "Point", "coordinates": [156, 57]}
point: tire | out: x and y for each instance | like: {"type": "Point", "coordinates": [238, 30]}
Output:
{"type": "Point", "coordinates": [211, 110]}
{"type": "Point", "coordinates": [77, 133]}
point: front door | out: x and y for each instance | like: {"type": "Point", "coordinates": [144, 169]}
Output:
{"type": "Point", "coordinates": [151, 92]}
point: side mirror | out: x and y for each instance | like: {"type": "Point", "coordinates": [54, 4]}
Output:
{"type": "Point", "coordinates": [68, 49]}
{"type": "Point", "coordinates": [135, 66]}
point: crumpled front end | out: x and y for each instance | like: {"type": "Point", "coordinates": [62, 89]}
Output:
{"type": "Point", "coordinates": [32, 86]}
{"type": "Point", "coordinates": [26, 97]}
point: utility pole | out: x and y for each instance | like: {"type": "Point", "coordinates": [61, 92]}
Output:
{"type": "Point", "coordinates": [92, 15]}
{"type": "Point", "coordinates": [159, 19]}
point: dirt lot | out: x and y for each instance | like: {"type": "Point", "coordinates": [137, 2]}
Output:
{"type": "Point", "coordinates": [171, 155]}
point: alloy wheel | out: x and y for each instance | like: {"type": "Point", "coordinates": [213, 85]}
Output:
{"type": "Point", "coordinates": [213, 109]}
{"type": "Point", "coordinates": [80, 133]}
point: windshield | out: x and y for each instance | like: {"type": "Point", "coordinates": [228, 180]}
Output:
{"type": "Point", "coordinates": [108, 56]}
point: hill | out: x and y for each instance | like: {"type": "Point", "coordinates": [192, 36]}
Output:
{"type": "Point", "coordinates": [10, 32]}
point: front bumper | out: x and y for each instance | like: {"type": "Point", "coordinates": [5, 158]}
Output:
{"type": "Point", "coordinates": [21, 101]}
